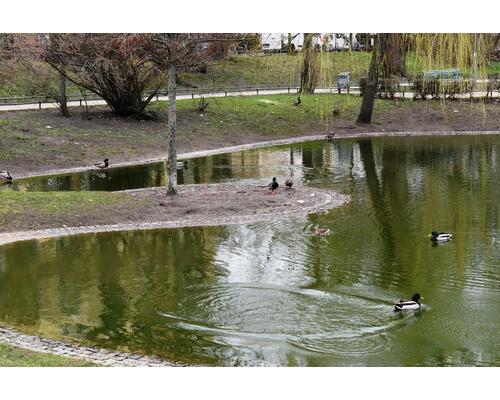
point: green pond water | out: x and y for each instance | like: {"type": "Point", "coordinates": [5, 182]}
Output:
{"type": "Point", "coordinates": [270, 293]}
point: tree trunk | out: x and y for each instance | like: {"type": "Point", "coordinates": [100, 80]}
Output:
{"type": "Point", "coordinates": [393, 56]}
{"type": "Point", "coordinates": [365, 114]}
{"type": "Point", "coordinates": [172, 126]}
{"type": "Point", "coordinates": [63, 101]}
{"type": "Point", "coordinates": [309, 73]}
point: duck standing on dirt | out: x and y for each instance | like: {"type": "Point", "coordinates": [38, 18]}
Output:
{"type": "Point", "coordinates": [329, 136]}
{"type": "Point", "coordinates": [5, 178]}
{"type": "Point", "coordinates": [273, 186]}
{"type": "Point", "coordinates": [288, 183]}
{"type": "Point", "coordinates": [102, 165]}
{"type": "Point", "coordinates": [181, 165]}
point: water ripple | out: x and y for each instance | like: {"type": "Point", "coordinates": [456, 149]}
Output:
{"type": "Point", "coordinates": [308, 319]}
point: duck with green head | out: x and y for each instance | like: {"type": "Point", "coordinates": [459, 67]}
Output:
{"type": "Point", "coordinates": [406, 305]}
{"type": "Point", "coordinates": [440, 236]}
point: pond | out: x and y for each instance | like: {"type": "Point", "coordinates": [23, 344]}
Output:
{"type": "Point", "coordinates": [271, 293]}
{"type": "Point", "coordinates": [213, 169]}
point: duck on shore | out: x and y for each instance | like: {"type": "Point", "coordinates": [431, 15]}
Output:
{"type": "Point", "coordinates": [288, 183]}
{"type": "Point", "coordinates": [103, 164]}
{"type": "Point", "coordinates": [440, 236]}
{"type": "Point", "coordinates": [182, 164]}
{"type": "Point", "coordinates": [413, 304]}
{"type": "Point", "coordinates": [5, 178]}
{"type": "Point", "coordinates": [329, 136]}
{"type": "Point", "coordinates": [273, 186]}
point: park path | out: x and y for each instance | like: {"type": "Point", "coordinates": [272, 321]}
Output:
{"type": "Point", "coordinates": [252, 92]}
{"type": "Point", "coordinates": [76, 103]}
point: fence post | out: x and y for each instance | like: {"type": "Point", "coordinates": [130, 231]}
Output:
{"type": "Point", "coordinates": [225, 93]}
{"type": "Point", "coordinates": [39, 105]}
{"type": "Point", "coordinates": [192, 96]}
{"type": "Point", "coordinates": [257, 91]}
{"type": "Point", "coordinates": [288, 90]}
{"type": "Point", "coordinates": [80, 102]}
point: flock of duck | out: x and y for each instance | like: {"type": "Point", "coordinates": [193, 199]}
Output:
{"type": "Point", "coordinates": [403, 305]}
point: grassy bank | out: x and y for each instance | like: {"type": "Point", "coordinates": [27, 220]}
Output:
{"type": "Point", "coordinates": [272, 69]}
{"type": "Point", "coordinates": [38, 210]}
{"type": "Point", "coordinates": [36, 141]}
{"type": "Point", "coordinates": [242, 70]}
{"type": "Point", "coordinates": [15, 357]}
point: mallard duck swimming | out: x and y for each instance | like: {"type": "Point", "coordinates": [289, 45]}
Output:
{"type": "Point", "coordinates": [413, 304]}
{"type": "Point", "coordinates": [289, 183]}
{"type": "Point", "coordinates": [330, 136]}
{"type": "Point", "coordinates": [321, 231]}
{"type": "Point", "coordinates": [273, 186]}
{"type": "Point", "coordinates": [5, 177]}
{"type": "Point", "coordinates": [440, 236]}
{"type": "Point", "coordinates": [102, 165]}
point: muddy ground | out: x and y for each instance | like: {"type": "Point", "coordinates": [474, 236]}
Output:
{"type": "Point", "coordinates": [40, 141]}
{"type": "Point", "coordinates": [194, 205]}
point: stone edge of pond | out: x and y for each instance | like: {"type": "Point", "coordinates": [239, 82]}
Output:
{"type": "Point", "coordinates": [325, 200]}
{"type": "Point", "coordinates": [103, 357]}
{"type": "Point", "coordinates": [256, 145]}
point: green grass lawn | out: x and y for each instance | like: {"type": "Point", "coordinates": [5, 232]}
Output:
{"type": "Point", "coordinates": [268, 115]}
{"type": "Point", "coordinates": [276, 69]}
{"type": "Point", "coordinates": [16, 357]}
{"type": "Point", "coordinates": [39, 210]}
{"type": "Point", "coordinates": [494, 67]}
{"type": "Point", "coordinates": [51, 203]}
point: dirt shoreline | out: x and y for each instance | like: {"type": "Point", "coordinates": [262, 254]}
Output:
{"type": "Point", "coordinates": [260, 144]}
{"type": "Point", "coordinates": [194, 205]}
{"type": "Point", "coordinates": [41, 142]}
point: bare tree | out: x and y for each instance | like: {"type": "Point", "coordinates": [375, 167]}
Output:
{"type": "Point", "coordinates": [63, 101]}
{"type": "Point", "coordinates": [176, 52]}
{"type": "Point", "coordinates": [22, 52]}
{"type": "Point", "coordinates": [117, 67]}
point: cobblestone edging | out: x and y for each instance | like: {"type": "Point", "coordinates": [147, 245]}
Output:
{"type": "Point", "coordinates": [323, 200]}
{"type": "Point", "coordinates": [250, 146]}
{"type": "Point", "coordinates": [103, 357]}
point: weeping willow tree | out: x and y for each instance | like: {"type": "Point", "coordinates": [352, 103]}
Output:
{"type": "Point", "coordinates": [310, 69]}
{"type": "Point", "coordinates": [376, 65]}
{"type": "Point", "coordinates": [465, 52]}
